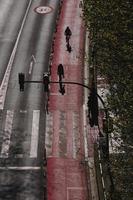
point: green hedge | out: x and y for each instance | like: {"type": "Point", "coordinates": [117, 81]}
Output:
{"type": "Point", "coordinates": [111, 51]}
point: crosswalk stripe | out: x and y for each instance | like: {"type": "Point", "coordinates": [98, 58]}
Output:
{"type": "Point", "coordinates": [21, 168]}
{"type": "Point", "coordinates": [76, 134]}
{"type": "Point", "coordinates": [7, 134]}
{"type": "Point", "coordinates": [49, 134]}
{"type": "Point", "coordinates": [35, 133]}
{"type": "Point", "coordinates": [74, 138]}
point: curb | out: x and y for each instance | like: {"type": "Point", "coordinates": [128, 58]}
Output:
{"type": "Point", "coordinates": [92, 184]}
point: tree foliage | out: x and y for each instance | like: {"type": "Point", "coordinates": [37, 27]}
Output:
{"type": "Point", "coordinates": [110, 24]}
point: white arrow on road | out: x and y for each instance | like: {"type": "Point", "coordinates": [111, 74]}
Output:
{"type": "Point", "coordinates": [32, 61]}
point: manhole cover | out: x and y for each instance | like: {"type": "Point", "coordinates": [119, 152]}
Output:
{"type": "Point", "coordinates": [43, 9]}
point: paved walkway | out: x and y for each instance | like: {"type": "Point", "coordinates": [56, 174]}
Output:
{"type": "Point", "coordinates": [66, 173]}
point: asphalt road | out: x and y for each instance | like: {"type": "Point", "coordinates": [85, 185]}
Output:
{"type": "Point", "coordinates": [25, 39]}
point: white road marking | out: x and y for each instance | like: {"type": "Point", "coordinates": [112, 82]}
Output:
{"type": "Point", "coordinates": [34, 59]}
{"type": "Point", "coordinates": [31, 67]}
{"type": "Point", "coordinates": [85, 132]}
{"type": "Point", "coordinates": [20, 168]}
{"type": "Point", "coordinates": [74, 137]}
{"type": "Point", "coordinates": [4, 84]}
{"type": "Point", "coordinates": [49, 134]}
{"type": "Point", "coordinates": [35, 133]}
{"type": "Point", "coordinates": [7, 134]}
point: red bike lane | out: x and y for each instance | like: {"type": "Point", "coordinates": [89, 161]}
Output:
{"type": "Point", "coordinates": [66, 175]}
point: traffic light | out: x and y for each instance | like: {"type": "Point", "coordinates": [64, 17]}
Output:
{"type": "Point", "coordinates": [93, 107]}
{"type": "Point", "coordinates": [46, 82]}
{"type": "Point", "coordinates": [21, 78]}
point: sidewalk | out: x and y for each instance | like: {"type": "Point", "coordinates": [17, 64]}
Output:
{"type": "Point", "coordinates": [66, 173]}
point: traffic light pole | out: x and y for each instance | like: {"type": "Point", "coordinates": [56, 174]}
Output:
{"type": "Point", "coordinates": [85, 86]}
{"type": "Point", "coordinates": [75, 83]}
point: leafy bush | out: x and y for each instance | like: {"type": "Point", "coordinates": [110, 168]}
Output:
{"type": "Point", "coordinates": [111, 51]}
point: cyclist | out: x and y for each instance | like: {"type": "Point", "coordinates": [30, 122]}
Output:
{"type": "Point", "coordinates": [67, 33]}
{"type": "Point", "coordinates": [60, 72]}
